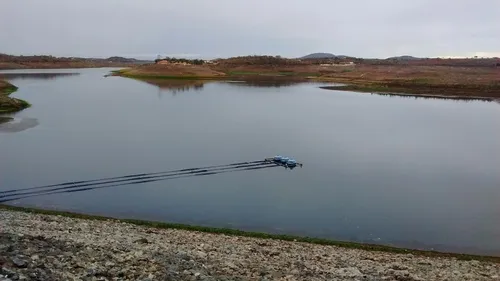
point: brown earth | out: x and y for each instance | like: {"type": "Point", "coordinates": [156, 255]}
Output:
{"type": "Point", "coordinates": [3, 85]}
{"type": "Point", "coordinates": [419, 80]}
{"type": "Point", "coordinates": [433, 75]}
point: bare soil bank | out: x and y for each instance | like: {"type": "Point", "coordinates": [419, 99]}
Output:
{"type": "Point", "coordinates": [46, 247]}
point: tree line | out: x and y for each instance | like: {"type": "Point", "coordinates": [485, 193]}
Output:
{"type": "Point", "coordinates": [181, 60]}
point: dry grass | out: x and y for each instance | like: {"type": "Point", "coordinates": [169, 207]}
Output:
{"type": "Point", "coordinates": [278, 70]}
{"type": "Point", "coordinates": [435, 75]}
{"type": "Point", "coordinates": [481, 82]}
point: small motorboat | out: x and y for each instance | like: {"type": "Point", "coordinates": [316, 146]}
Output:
{"type": "Point", "coordinates": [291, 163]}
{"type": "Point", "coordinates": [284, 161]}
{"type": "Point", "coordinates": [277, 158]}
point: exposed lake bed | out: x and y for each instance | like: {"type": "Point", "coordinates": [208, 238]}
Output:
{"type": "Point", "coordinates": [411, 173]}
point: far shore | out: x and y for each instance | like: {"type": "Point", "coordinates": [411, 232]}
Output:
{"type": "Point", "coordinates": [479, 83]}
{"type": "Point", "coordinates": [8, 62]}
{"type": "Point", "coordinates": [439, 92]}
{"type": "Point", "coordinates": [426, 81]}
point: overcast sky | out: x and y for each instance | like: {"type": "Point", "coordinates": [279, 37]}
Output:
{"type": "Point", "coordinates": [222, 28]}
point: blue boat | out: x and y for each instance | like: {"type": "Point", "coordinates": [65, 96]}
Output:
{"type": "Point", "coordinates": [291, 163]}
{"type": "Point", "coordinates": [286, 162]}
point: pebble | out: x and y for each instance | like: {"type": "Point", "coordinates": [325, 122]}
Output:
{"type": "Point", "coordinates": [350, 272]}
{"type": "Point", "coordinates": [38, 247]}
{"type": "Point", "coordinates": [19, 262]}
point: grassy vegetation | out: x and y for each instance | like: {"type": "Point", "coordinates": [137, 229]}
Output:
{"type": "Point", "coordinates": [8, 89]}
{"type": "Point", "coordinates": [8, 104]}
{"type": "Point", "coordinates": [235, 232]}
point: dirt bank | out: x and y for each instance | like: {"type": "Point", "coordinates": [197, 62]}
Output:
{"type": "Point", "coordinates": [44, 247]}
{"type": "Point", "coordinates": [8, 104]}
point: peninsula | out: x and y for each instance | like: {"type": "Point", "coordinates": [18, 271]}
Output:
{"type": "Point", "coordinates": [448, 78]}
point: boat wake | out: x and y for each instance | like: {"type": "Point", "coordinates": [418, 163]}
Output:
{"type": "Point", "coordinates": [85, 185]}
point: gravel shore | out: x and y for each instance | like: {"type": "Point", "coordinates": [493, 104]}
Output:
{"type": "Point", "coordinates": [44, 247]}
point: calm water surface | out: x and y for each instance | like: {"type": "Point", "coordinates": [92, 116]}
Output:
{"type": "Point", "coordinates": [409, 172]}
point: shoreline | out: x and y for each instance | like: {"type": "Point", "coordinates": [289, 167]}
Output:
{"type": "Point", "coordinates": [260, 235]}
{"type": "Point", "coordinates": [411, 92]}
{"type": "Point", "coordinates": [8, 104]}
{"type": "Point", "coordinates": [35, 246]}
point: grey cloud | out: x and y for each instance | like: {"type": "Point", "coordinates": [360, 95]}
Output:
{"type": "Point", "coordinates": [227, 27]}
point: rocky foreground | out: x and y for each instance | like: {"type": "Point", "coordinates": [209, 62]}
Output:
{"type": "Point", "coordinates": [43, 247]}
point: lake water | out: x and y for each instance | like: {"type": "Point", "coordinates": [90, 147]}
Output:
{"type": "Point", "coordinates": [420, 173]}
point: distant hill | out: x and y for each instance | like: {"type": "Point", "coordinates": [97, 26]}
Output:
{"type": "Point", "coordinates": [125, 60]}
{"type": "Point", "coordinates": [406, 57]}
{"type": "Point", "coordinates": [324, 56]}
{"type": "Point", "coordinates": [319, 56]}
{"type": "Point", "coordinates": [47, 58]}
{"type": "Point", "coordinates": [44, 61]}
